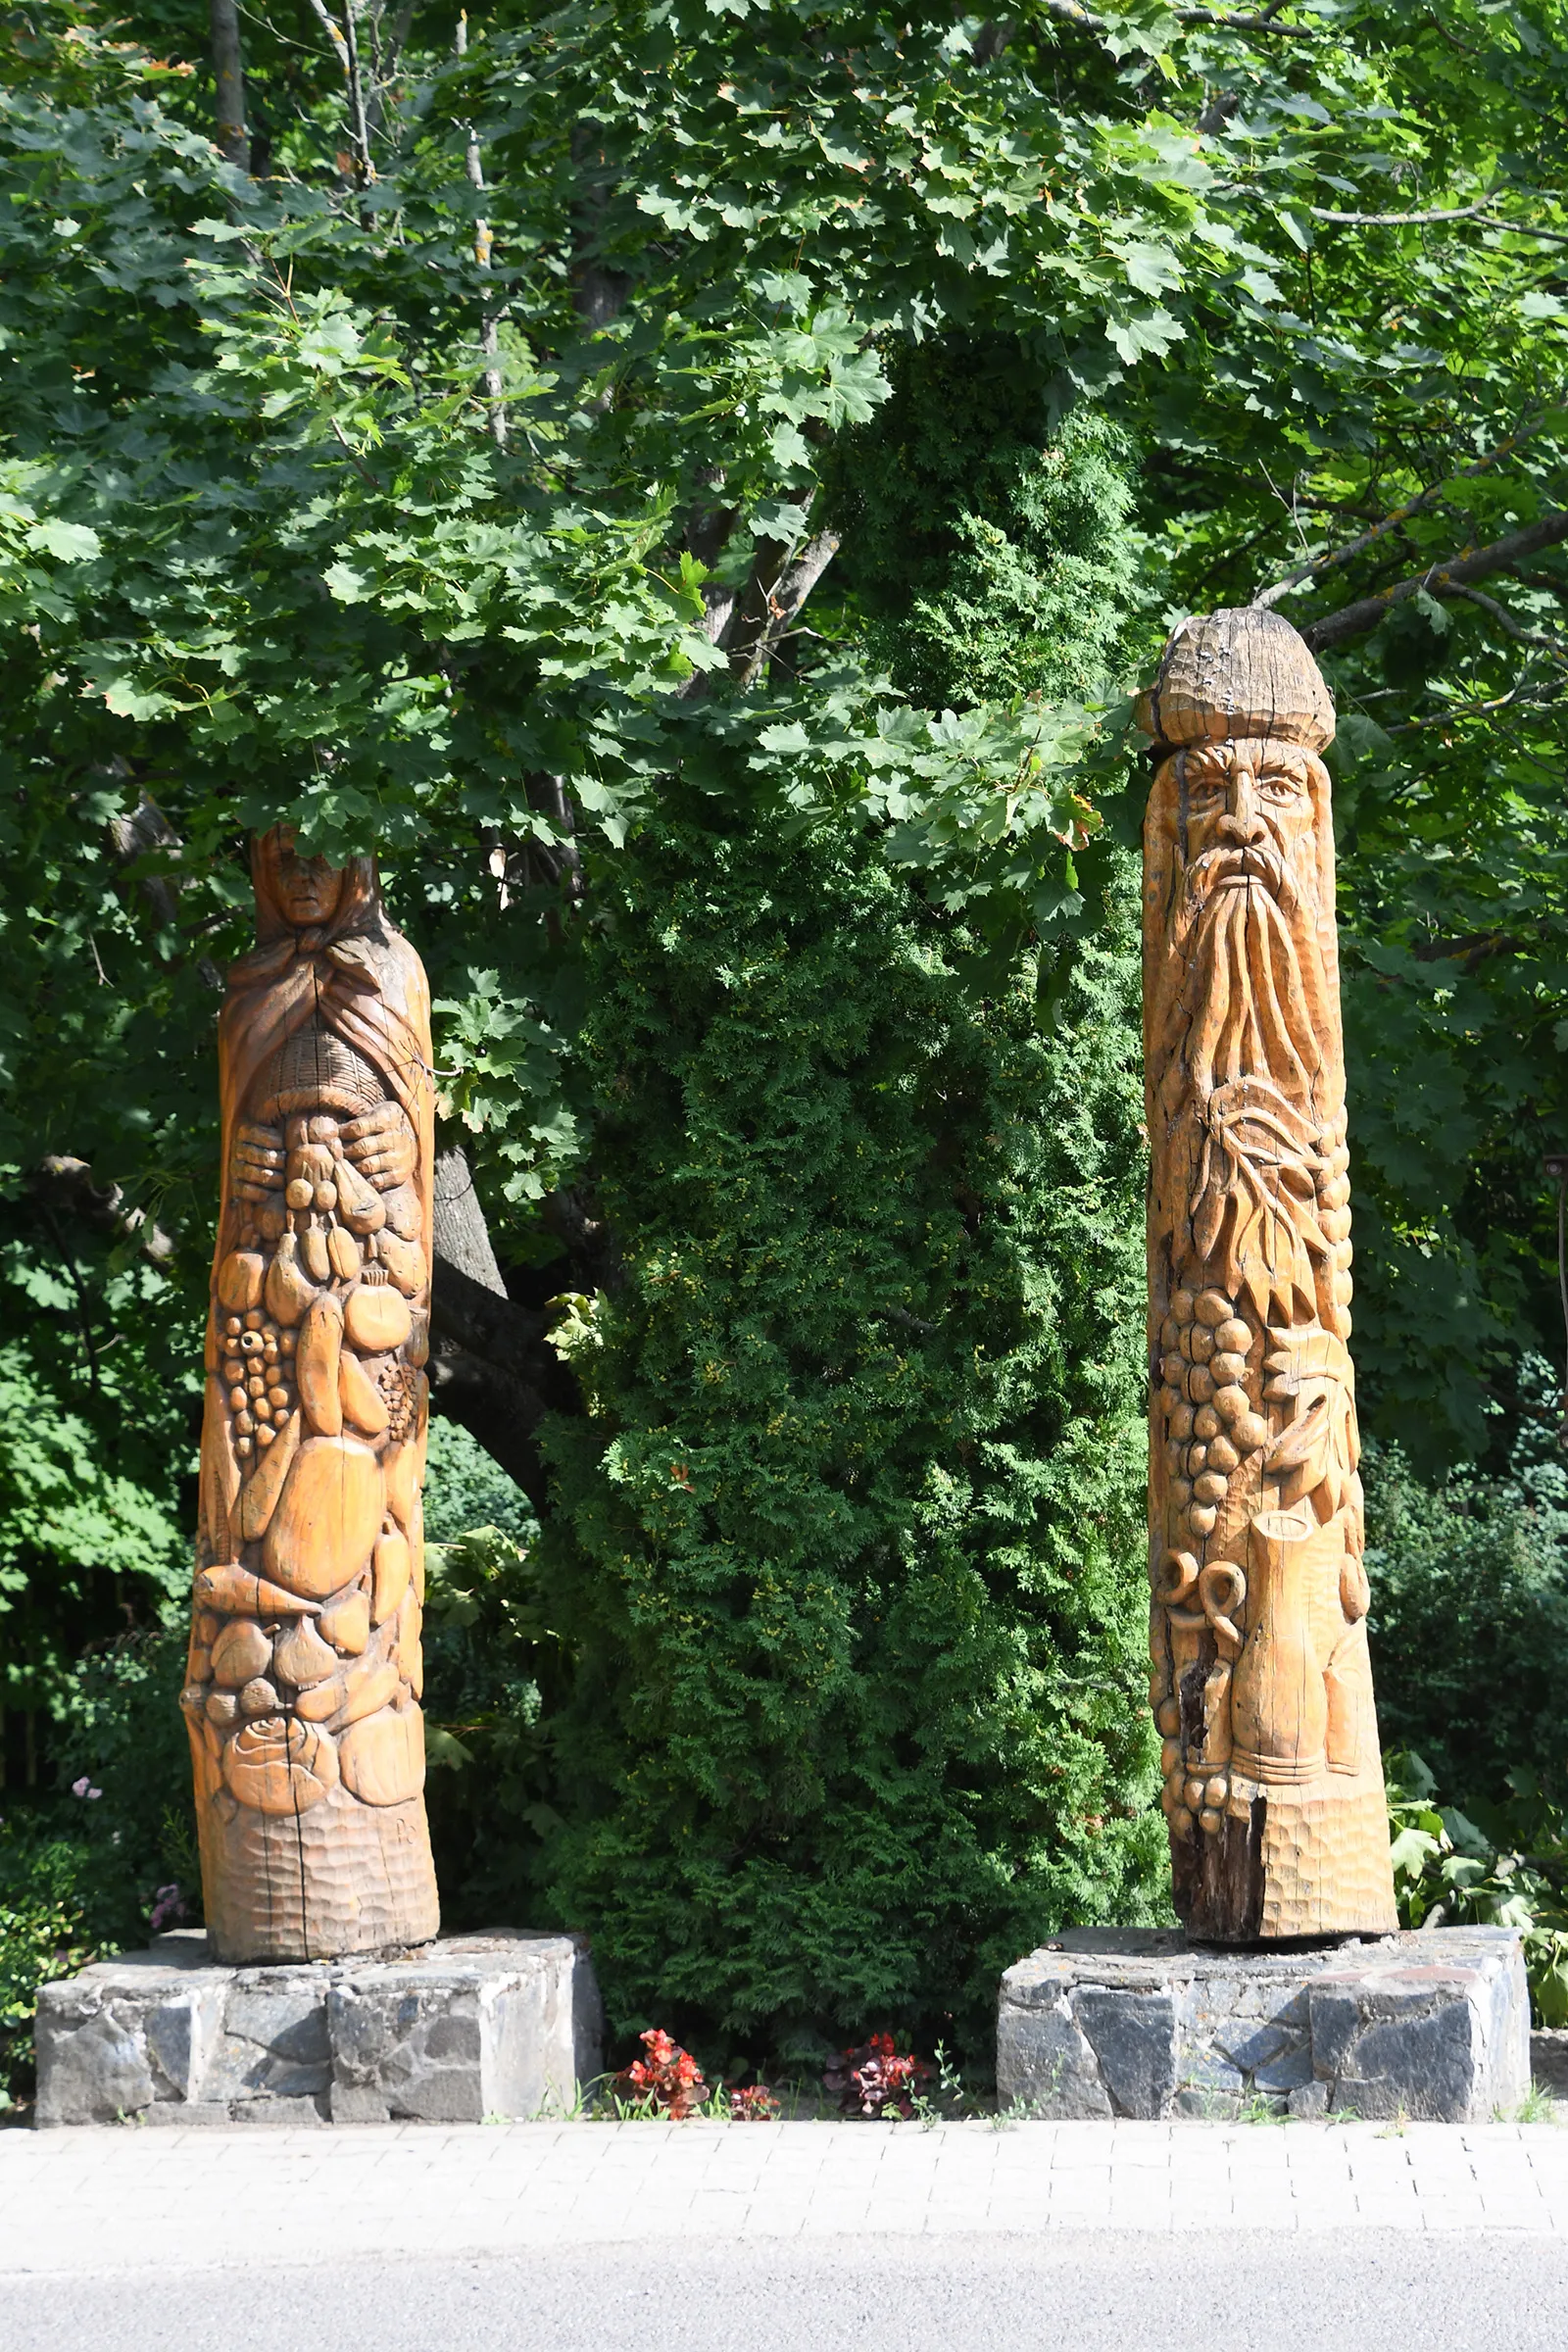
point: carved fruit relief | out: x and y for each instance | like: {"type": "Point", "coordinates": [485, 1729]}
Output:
{"type": "Point", "coordinates": [303, 1681]}
{"type": "Point", "coordinates": [1260, 1682]}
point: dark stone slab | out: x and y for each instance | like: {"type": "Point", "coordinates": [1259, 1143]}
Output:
{"type": "Point", "coordinates": [472, 2025]}
{"type": "Point", "coordinates": [1133, 2035]}
{"type": "Point", "coordinates": [1141, 2022]}
{"type": "Point", "coordinates": [1548, 2060]}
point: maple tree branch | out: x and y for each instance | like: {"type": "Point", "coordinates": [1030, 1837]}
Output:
{"type": "Point", "coordinates": [1320, 564]}
{"type": "Point", "coordinates": [1439, 579]}
{"type": "Point", "coordinates": [781, 603]}
{"type": "Point", "coordinates": [1465, 212]}
{"type": "Point", "coordinates": [1511, 627]}
{"type": "Point", "coordinates": [1071, 14]}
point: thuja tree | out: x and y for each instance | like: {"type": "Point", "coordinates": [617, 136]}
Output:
{"type": "Point", "coordinates": [849, 1547]}
{"type": "Point", "coordinates": [653, 448]}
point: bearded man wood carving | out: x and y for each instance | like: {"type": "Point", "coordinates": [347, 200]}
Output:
{"type": "Point", "coordinates": [304, 1679]}
{"type": "Point", "coordinates": [1262, 1684]}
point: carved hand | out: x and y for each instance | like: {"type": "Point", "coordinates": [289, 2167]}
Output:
{"type": "Point", "coordinates": [381, 1145]}
{"type": "Point", "coordinates": [258, 1164]}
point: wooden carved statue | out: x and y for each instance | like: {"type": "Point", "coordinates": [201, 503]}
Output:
{"type": "Point", "coordinates": [1262, 1684]}
{"type": "Point", "coordinates": [303, 1686]}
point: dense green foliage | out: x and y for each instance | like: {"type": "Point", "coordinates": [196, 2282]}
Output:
{"type": "Point", "coordinates": [848, 1549]}
{"type": "Point", "coordinates": [98, 1382]}
{"type": "Point", "coordinates": [1470, 1608]}
{"type": "Point", "coordinates": [1507, 1868]}
{"type": "Point", "coordinates": [801, 961]}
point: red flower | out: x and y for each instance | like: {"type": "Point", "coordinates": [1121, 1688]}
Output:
{"type": "Point", "coordinates": [756, 2104]}
{"type": "Point", "coordinates": [669, 2078]}
{"type": "Point", "coordinates": [873, 2081]}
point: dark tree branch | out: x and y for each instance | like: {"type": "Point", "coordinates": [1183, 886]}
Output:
{"type": "Point", "coordinates": [1071, 14]}
{"type": "Point", "coordinates": [1320, 565]}
{"type": "Point", "coordinates": [1511, 627]}
{"type": "Point", "coordinates": [1474, 948]}
{"type": "Point", "coordinates": [1439, 579]}
{"type": "Point", "coordinates": [64, 1185]}
{"type": "Point", "coordinates": [770, 611]}
{"type": "Point", "coordinates": [136, 836]}
{"type": "Point", "coordinates": [228, 73]}
{"type": "Point", "coordinates": [485, 1322]}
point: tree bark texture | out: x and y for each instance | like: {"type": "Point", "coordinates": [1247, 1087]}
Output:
{"type": "Point", "coordinates": [228, 73]}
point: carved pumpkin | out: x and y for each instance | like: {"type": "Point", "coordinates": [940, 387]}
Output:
{"type": "Point", "coordinates": [377, 1317]}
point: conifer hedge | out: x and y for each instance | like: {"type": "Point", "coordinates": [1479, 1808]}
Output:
{"type": "Point", "coordinates": [847, 1552]}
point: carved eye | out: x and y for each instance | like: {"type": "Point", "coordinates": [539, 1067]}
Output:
{"type": "Point", "coordinates": [1274, 785]}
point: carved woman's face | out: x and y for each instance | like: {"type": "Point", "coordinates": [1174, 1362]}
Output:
{"type": "Point", "coordinates": [306, 889]}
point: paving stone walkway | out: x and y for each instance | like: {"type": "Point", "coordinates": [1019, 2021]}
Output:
{"type": "Point", "coordinates": [122, 2199]}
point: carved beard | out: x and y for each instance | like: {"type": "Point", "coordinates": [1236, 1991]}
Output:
{"type": "Point", "coordinates": [1248, 1075]}
{"type": "Point", "coordinates": [1255, 989]}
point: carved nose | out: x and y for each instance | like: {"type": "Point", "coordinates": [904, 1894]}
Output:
{"type": "Point", "coordinates": [1244, 829]}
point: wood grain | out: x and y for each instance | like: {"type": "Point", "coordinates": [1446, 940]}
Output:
{"type": "Point", "coordinates": [301, 1701]}
{"type": "Point", "coordinates": [1262, 1685]}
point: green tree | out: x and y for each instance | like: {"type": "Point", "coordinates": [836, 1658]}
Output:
{"type": "Point", "coordinates": [657, 443]}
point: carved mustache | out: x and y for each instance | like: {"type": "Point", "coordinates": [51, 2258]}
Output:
{"type": "Point", "coordinates": [1256, 862]}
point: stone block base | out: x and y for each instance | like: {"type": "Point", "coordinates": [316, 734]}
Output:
{"type": "Point", "coordinates": [454, 2032]}
{"type": "Point", "coordinates": [1138, 2022]}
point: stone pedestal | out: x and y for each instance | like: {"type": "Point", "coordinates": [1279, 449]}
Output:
{"type": "Point", "coordinates": [504, 2025]}
{"type": "Point", "coordinates": [1138, 2022]}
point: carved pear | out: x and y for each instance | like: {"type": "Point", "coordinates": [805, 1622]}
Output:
{"type": "Point", "coordinates": [302, 1657]}
{"type": "Point", "coordinates": [370, 1685]}
{"type": "Point", "coordinates": [240, 1653]}
{"type": "Point", "coordinates": [347, 1623]}
{"type": "Point", "coordinates": [239, 1280]}
{"type": "Point", "coordinates": [363, 1208]}
{"type": "Point", "coordinates": [289, 1290]}
{"type": "Point", "coordinates": [344, 1251]}
{"type": "Point", "coordinates": [319, 1700]}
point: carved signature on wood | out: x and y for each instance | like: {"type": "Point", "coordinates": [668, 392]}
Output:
{"type": "Point", "coordinates": [1262, 1685]}
{"type": "Point", "coordinates": [304, 1678]}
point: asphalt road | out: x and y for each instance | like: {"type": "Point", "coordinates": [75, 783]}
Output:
{"type": "Point", "coordinates": [1362, 2290]}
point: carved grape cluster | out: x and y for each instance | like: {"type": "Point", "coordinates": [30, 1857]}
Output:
{"type": "Point", "coordinates": [1209, 1420]}
{"type": "Point", "coordinates": [1334, 1221]}
{"type": "Point", "coordinates": [257, 1362]}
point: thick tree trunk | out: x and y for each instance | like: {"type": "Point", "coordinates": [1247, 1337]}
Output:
{"type": "Point", "coordinates": [492, 1369]}
{"type": "Point", "coordinates": [229, 73]}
